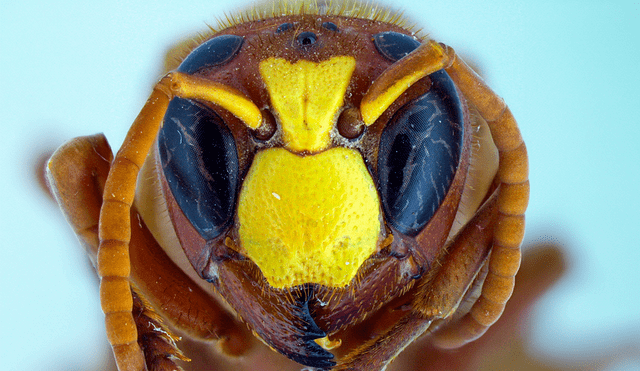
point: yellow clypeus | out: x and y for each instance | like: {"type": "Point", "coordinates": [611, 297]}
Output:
{"type": "Point", "coordinates": [309, 218]}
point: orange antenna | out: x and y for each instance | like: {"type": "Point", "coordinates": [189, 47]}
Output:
{"type": "Point", "coordinates": [115, 224]}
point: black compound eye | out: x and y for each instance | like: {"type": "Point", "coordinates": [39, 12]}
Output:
{"type": "Point", "coordinates": [284, 27]}
{"type": "Point", "coordinates": [200, 163]}
{"type": "Point", "coordinates": [214, 52]}
{"type": "Point", "coordinates": [420, 150]}
{"type": "Point", "coordinates": [394, 45]}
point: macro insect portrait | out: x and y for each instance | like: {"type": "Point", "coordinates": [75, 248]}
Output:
{"type": "Point", "coordinates": [317, 176]}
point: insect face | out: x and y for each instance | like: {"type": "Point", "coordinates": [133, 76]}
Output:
{"type": "Point", "coordinates": [320, 170]}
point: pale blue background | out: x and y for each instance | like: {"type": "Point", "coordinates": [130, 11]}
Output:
{"type": "Point", "coordinates": [568, 70]}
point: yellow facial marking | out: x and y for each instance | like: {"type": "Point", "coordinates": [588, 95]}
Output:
{"type": "Point", "coordinates": [306, 97]}
{"type": "Point", "coordinates": [309, 219]}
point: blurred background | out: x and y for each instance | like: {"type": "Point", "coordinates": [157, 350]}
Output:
{"type": "Point", "coordinates": [569, 70]}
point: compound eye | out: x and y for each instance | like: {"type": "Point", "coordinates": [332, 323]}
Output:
{"type": "Point", "coordinates": [213, 52]}
{"type": "Point", "coordinates": [200, 164]}
{"type": "Point", "coordinates": [394, 45]}
{"type": "Point", "coordinates": [420, 150]}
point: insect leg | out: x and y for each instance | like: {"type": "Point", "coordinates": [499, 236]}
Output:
{"type": "Point", "coordinates": [76, 175]}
